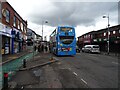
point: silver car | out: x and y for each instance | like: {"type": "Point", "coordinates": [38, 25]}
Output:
{"type": "Point", "coordinates": [91, 49]}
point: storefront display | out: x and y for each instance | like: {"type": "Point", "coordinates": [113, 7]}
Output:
{"type": "Point", "coordinates": [16, 47]}
{"type": "Point", "coordinates": [5, 45]}
{"type": "Point", "coordinates": [5, 31]}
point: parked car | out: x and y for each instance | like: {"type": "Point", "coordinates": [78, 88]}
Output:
{"type": "Point", "coordinates": [77, 49]}
{"type": "Point", "coordinates": [91, 49]}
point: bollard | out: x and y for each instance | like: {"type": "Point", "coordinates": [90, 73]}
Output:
{"type": "Point", "coordinates": [5, 82]}
{"type": "Point", "coordinates": [24, 63]}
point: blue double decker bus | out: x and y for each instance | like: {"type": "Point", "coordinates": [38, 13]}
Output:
{"type": "Point", "coordinates": [63, 41]}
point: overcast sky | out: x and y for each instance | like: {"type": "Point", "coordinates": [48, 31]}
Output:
{"type": "Point", "coordinates": [84, 15]}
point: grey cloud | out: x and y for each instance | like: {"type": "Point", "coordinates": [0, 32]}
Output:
{"type": "Point", "coordinates": [73, 13]}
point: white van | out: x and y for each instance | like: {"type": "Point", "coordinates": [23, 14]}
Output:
{"type": "Point", "coordinates": [91, 48]}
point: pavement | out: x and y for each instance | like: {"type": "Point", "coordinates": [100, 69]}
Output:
{"type": "Point", "coordinates": [10, 57]}
{"type": "Point", "coordinates": [111, 54]}
{"type": "Point", "coordinates": [31, 79]}
{"type": "Point", "coordinates": [51, 75]}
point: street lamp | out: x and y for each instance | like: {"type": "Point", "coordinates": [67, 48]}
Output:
{"type": "Point", "coordinates": [42, 27]}
{"type": "Point", "coordinates": [108, 32]}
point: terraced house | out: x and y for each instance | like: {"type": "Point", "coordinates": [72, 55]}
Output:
{"type": "Point", "coordinates": [13, 30]}
{"type": "Point", "coordinates": [100, 38]}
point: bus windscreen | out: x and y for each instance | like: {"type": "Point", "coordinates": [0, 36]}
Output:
{"type": "Point", "coordinates": [66, 39]}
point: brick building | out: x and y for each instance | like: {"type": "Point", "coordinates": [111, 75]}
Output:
{"type": "Point", "coordinates": [100, 37]}
{"type": "Point", "coordinates": [32, 37]}
{"type": "Point", "coordinates": [13, 29]}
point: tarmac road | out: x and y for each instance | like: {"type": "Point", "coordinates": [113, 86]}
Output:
{"type": "Point", "coordinates": [92, 70]}
{"type": "Point", "coordinates": [83, 70]}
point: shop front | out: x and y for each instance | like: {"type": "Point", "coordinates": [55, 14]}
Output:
{"type": "Point", "coordinates": [5, 45]}
{"type": "Point", "coordinates": [16, 41]}
{"type": "Point", "coordinates": [5, 31]}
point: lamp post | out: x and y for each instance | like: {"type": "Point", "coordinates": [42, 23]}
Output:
{"type": "Point", "coordinates": [42, 27]}
{"type": "Point", "coordinates": [108, 33]}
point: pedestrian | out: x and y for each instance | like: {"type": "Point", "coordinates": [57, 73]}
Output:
{"type": "Point", "coordinates": [35, 48]}
{"type": "Point", "coordinates": [38, 48]}
{"type": "Point", "coordinates": [46, 48]}
{"type": "Point", "coordinates": [42, 48]}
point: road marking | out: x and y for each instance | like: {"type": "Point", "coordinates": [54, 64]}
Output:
{"type": "Point", "coordinates": [69, 68]}
{"type": "Point", "coordinates": [75, 73]}
{"type": "Point", "coordinates": [55, 58]}
{"type": "Point", "coordinates": [58, 63]}
{"type": "Point", "coordinates": [62, 68]}
{"type": "Point", "coordinates": [114, 62]}
{"type": "Point", "coordinates": [84, 81]}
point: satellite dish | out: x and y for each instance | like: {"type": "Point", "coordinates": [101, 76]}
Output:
{"type": "Point", "coordinates": [4, 12]}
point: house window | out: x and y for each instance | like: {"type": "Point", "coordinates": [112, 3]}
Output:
{"type": "Point", "coordinates": [104, 34]}
{"type": "Point", "coordinates": [91, 36]}
{"type": "Point", "coordinates": [84, 36]}
{"type": "Point", "coordinates": [7, 16]}
{"type": "Point", "coordinates": [18, 24]}
{"type": "Point", "coordinates": [109, 33]}
{"type": "Point", "coordinates": [21, 26]}
{"type": "Point", "coordinates": [114, 32]}
{"type": "Point", "coordinates": [14, 21]}
{"type": "Point", "coordinates": [25, 29]}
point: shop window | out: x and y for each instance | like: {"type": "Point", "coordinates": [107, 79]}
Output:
{"type": "Point", "coordinates": [14, 21]}
{"type": "Point", "coordinates": [7, 16]}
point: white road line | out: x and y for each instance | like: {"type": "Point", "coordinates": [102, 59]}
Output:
{"type": "Point", "coordinates": [69, 68]}
{"type": "Point", "coordinates": [84, 81]}
{"type": "Point", "coordinates": [62, 68]}
{"type": "Point", "coordinates": [75, 73]}
{"type": "Point", "coordinates": [58, 63]}
{"type": "Point", "coordinates": [115, 62]}
{"type": "Point", "coordinates": [55, 58]}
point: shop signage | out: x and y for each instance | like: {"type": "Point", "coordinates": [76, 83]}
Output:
{"type": "Point", "coordinates": [5, 30]}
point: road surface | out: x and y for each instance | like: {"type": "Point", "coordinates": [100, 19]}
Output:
{"type": "Point", "coordinates": [94, 70]}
